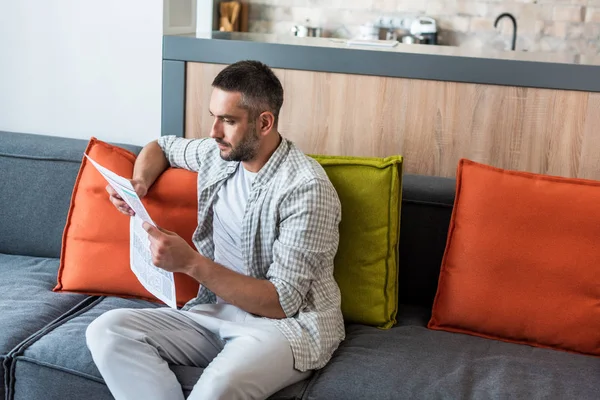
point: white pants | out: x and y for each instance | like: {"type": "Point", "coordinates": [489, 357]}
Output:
{"type": "Point", "coordinates": [244, 357]}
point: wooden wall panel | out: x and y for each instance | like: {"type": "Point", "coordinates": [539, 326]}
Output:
{"type": "Point", "coordinates": [198, 88]}
{"type": "Point", "coordinates": [589, 163]}
{"type": "Point", "coordinates": [432, 124]}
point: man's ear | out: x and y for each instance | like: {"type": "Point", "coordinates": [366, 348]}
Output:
{"type": "Point", "coordinates": [267, 122]}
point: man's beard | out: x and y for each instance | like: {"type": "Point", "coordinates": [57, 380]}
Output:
{"type": "Point", "coordinates": [245, 150]}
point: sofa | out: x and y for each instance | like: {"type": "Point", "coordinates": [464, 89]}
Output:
{"type": "Point", "coordinates": [42, 333]}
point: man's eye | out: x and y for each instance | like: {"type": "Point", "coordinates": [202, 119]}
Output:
{"type": "Point", "coordinates": [229, 121]}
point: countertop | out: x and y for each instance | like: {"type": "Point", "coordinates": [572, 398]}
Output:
{"type": "Point", "coordinates": [446, 63]}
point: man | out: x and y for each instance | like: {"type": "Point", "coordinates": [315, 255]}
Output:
{"type": "Point", "coordinates": [268, 309]}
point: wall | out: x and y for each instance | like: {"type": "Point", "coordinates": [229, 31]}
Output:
{"type": "Point", "coordinates": [567, 26]}
{"type": "Point", "coordinates": [82, 68]}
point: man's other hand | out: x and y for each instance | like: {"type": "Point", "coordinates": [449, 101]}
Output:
{"type": "Point", "coordinates": [169, 250]}
{"type": "Point", "coordinates": [140, 188]}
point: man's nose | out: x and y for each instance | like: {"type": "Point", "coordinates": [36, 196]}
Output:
{"type": "Point", "coordinates": [216, 131]}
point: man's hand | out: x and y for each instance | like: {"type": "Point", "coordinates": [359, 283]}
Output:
{"type": "Point", "coordinates": [140, 188]}
{"type": "Point", "coordinates": [170, 251]}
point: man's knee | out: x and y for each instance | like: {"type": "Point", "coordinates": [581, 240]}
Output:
{"type": "Point", "coordinates": [101, 335]}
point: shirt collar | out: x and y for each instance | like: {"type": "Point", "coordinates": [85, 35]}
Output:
{"type": "Point", "coordinates": [270, 168]}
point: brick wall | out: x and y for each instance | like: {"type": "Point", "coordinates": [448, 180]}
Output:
{"type": "Point", "coordinates": [558, 26]}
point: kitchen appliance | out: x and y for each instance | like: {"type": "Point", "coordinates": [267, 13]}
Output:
{"type": "Point", "coordinates": [424, 29]}
{"type": "Point", "coordinates": [369, 31]}
{"type": "Point", "coordinates": [409, 39]}
{"type": "Point", "coordinates": [306, 30]}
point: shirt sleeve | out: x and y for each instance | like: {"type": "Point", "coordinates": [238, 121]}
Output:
{"type": "Point", "coordinates": [307, 242]}
{"type": "Point", "coordinates": [184, 153]}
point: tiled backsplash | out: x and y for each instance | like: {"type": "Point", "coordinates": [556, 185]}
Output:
{"type": "Point", "coordinates": [565, 26]}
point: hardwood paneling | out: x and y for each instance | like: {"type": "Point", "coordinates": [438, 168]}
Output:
{"type": "Point", "coordinates": [432, 124]}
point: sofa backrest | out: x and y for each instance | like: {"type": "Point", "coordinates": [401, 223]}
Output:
{"type": "Point", "coordinates": [427, 203]}
{"type": "Point", "coordinates": [34, 167]}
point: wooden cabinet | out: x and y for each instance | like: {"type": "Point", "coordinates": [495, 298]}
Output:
{"type": "Point", "coordinates": [431, 123]}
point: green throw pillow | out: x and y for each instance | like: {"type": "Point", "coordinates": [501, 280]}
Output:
{"type": "Point", "coordinates": [366, 264]}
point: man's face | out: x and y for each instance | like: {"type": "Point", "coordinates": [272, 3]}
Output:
{"type": "Point", "coordinates": [236, 137]}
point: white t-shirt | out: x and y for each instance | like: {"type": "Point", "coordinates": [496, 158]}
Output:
{"type": "Point", "coordinates": [228, 213]}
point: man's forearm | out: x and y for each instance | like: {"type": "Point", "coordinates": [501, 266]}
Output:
{"type": "Point", "coordinates": [150, 163]}
{"type": "Point", "coordinates": [256, 296]}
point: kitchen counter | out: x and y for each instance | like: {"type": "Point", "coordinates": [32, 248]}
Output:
{"type": "Point", "coordinates": [432, 104]}
{"type": "Point", "coordinates": [442, 63]}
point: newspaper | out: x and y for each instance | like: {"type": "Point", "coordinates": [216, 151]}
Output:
{"type": "Point", "coordinates": [157, 281]}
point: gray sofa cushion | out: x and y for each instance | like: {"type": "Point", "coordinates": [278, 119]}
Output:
{"type": "Point", "coordinates": [38, 174]}
{"type": "Point", "coordinates": [188, 376]}
{"type": "Point", "coordinates": [27, 304]}
{"type": "Point", "coordinates": [410, 361]}
{"type": "Point", "coordinates": [34, 381]}
{"type": "Point", "coordinates": [63, 355]}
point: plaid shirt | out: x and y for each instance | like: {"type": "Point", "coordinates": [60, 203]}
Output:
{"type": "Point", "coordinates": [289, 236]}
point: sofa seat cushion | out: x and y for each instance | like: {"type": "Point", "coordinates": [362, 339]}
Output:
{"type": "Point", "coordinates": [410, 361]}
{"type": "Point", "coordinates": [63, 354]}
{"type": "Point", "coordinates": [27, 303]}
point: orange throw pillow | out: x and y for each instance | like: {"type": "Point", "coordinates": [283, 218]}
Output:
{"type": "Point", "coordinates": [522, 261]}
{"type": "Point", "coordinates": [95, 245]}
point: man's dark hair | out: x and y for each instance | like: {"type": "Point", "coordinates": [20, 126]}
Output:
{"type": "Point", "coordinates": [261, 90]}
